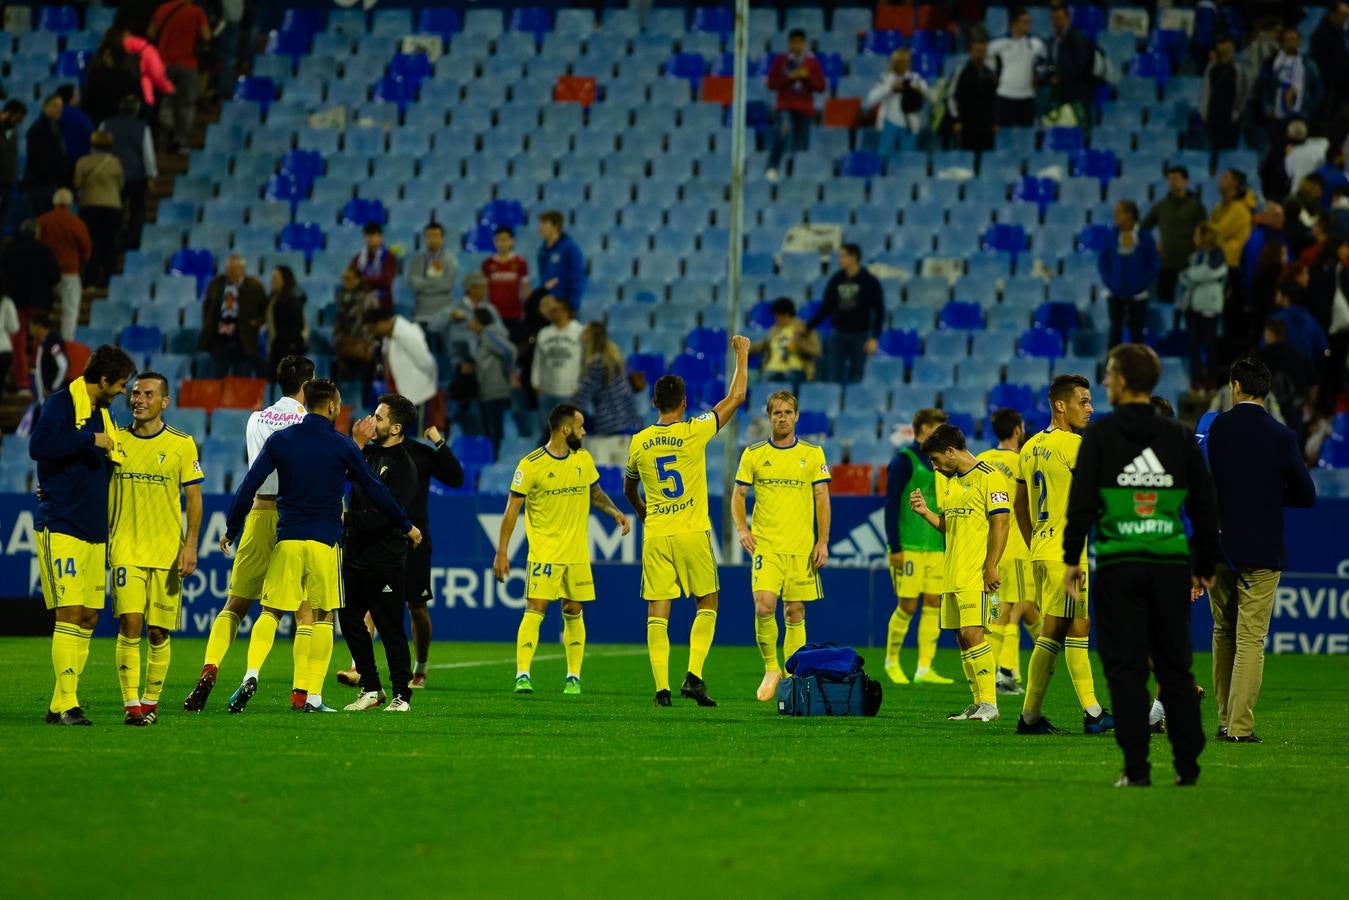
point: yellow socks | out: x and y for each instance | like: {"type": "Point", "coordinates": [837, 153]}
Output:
{"type": "Point", "coordinates": [156, 670]}
{"type": "Point", "coordinates": [527, 640]}
{"type": "Point", "coordinates": [795, 640]}
{"type": "Point", "coordinates": [766, 639]}
{"type": "Point", "coordinates": [128, 658]}
{"type": "Point", "coordinates": [981, 670]}
{"type": "Point", "coordinates": [929, 629]}
{"type": "Point", "coordinates": [66, 641]}
{"type": "Point", "coordinates": [223, 631]}
{"type": "Point", "coordinates": [574, 637]}
{"type": "Point", "coordinates": [86, 637]}
{"type": "Point", "coordinates": [260, 640]}
{"type": "Point", "coordinates": [658, 648]}
{"type": "Point", "coordinates": [300, 656]}
{"type": "Point", "coordinates": [994, 635]}
{"type": "Point", "coordinates": [700, 639]}
{"type": "Point", "coordinates": [1041, 669]}
{"type": "Point", "coordinates": [1009, 655]}
{"type": "Point", "coordinates": [895, 634]}
{"type": "Point", "coordinates": [1077, 660]}
{"type": "Point", "coordinates": [320, 654]}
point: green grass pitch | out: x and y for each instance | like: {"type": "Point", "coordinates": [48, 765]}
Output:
{"type": "Point", "coordinates": [478, 793]}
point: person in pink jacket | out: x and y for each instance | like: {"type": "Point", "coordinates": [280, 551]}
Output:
{"type": "Point", "coordinates": [153, 77]}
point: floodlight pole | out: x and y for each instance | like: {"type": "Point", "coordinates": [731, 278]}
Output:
{"type": "Point", "coordinates": [731, 440]}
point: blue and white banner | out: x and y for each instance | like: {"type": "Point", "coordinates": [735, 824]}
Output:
{"type": "Point", "coordinates": [1311, 613]}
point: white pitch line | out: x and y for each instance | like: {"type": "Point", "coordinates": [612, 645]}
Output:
{"type": "Point", "coordinates": [547, 657]}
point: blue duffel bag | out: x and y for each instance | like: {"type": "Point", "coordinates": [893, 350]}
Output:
{"type": "Point", "coordinates": [827, 680]}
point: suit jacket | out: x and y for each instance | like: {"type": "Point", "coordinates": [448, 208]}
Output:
{"type": "Point", "coordinates": [252, 312]}
{"type": "Point", "coordinates": [1257, 471]}
{"type": "Point", "coordinates": [46, 164]}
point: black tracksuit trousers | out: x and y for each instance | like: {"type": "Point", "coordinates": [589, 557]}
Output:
{"type": "Point", "coordinates": [381, 593]}
{"type": "Point", "coordinates": [1141, 611]}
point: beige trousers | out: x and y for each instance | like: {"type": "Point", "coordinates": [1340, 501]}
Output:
{"type": "Point", "coordinates": [1241, 613]}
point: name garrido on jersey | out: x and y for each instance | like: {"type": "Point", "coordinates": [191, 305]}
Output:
{"type": "Point", "coordinates": [1145, 471]}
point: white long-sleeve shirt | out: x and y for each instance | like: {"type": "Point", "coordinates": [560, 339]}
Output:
{"type": "Point", "coordinates": [410, 362]}
{"type": "Point", "coordinates": [263, 424]}
{"type": "Point", "coordinates": [888, 102]}
{"type": "Point", "coordinates": [1015, 60]}
{"type": "Point", "coordinates": [557, 360]}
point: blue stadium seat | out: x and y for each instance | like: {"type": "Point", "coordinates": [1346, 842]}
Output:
{"type": "Point", "coordinates": [261, 91]}
{"type": "Point", "coordinates": [1040, 343]}
{"type": "Point", "coordinates": [962, 316]}
{"type": "Point", "coordinates": [860, 164]}
{"type": "Point", "coordinates": [361, 211]}
{"type": "Point", "coordinates": [141, 339]}
{"type": "Point", "coordinates": [946, 345]}
{"type": "Point", "coordinates": [688, 66]}
{"type": "Point", "coordinates": [902, 343]}
{"type": "Point", "coordinates": [1004, 238]}
{"type": "Point", "coordinates": [822, 397]}
{"type": "Point", "coordinates": [1060, 317]}
{"type": "Point", "coordinates": [927, 292]}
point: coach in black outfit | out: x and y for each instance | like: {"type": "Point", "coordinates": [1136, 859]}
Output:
{"type": "Point", "coordinates": [436, 462]}
{"type": "Point", "coordinates": [1136, 472]}
{"type": "Point", "coordinates": [1257, 470]}
{"type": "Point", "coordinates": [375, 554]}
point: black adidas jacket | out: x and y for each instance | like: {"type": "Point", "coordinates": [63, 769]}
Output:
{"type": "Point", "coordinates": [1138, 477]}
{"type": "Point", "coordinates": [372, 540]}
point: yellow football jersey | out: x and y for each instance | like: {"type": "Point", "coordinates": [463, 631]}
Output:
{"type": "Point", "coordinates": [1046, 469]}
{"type": "Point", "coordinates": [145, 512]}
{"type": "Point", "coordinates": [557, 504]}
{"type": "Point", "coordinates": [671, 463]}
{"type": "Point", "coordinates": [968, 501]}
{"type": "Point", "coordinates": [783, 480]}
{"type": "Point", "coordinates": [1007, 463]}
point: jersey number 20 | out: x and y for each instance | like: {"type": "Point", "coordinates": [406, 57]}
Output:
{"type": "Point", "coordinates": [666, 472]}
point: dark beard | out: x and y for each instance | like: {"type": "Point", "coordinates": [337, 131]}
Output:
{"type": "Point", "coordinates": [573, 442]}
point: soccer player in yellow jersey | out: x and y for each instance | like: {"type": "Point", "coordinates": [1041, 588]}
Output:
{"type": "Point", "coordinates": [1044, 476]}
{"type": "Point", "coordinates": [790, 478]}
{"type": "Point", "coordinates": [668, 460]}
{"type": "Point", "coordinates": [150, 554]}
{"type": "Point", "coordinates": [975, 502]}
{"type": "Point", "coordinates": [556, 485]}
{"type": "Point", "coordinates": [1016, 594]}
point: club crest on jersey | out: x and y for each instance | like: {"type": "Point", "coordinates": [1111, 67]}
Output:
{"type": "Point", "coordinates": [800, 463]}
{"type": "Point", "coordinates": [1145, 503]}
{"type": "Point", "coordinates": [161, 459]}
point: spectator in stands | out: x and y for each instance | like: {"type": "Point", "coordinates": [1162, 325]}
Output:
{"type": "Point", "coordinates": [605, 395]}
{"type": "Point", "coordinates": [229, 34]}
{"type": "Point", "coordinates": [30, 277]}
{"type": "Point", "coordinates": [790, 350]}
{"type": "Point", "coordinates": [796, 77]}
{"type": "Point", "coordinates": [10, 117]}
{"type": "Point", "coordinates": [1175, 216]}
{"type": "Point", "coordinates": [1290, 86]}
{"type": "Point", "coordinates": [854, 304]}
{"type": "Point", "coordinates": [67, 237]}
{"type": "Point", "coordinates": [1203, 289]}
{"type": "Point", "coordinates": [455, 322]}
{"type": "Point", "coordinates": [492, 360]}
{"type": "Point", "coordinates": [45, 168]}
{"type": "Point", "coordinates": [1128, 264]}
{"type": "Point", "coordinates": [1337, 353]}
{"type": "Point", "coordinates": [51, 365]}
{"type": "Point", "coordinates": [1304, 154]}
{"type": "Point", "coordinates": [507, 275]}
{"type": "Point", "coordinates": [134, 146]}
{"type": "Point", "coordinates": [562, 268]}
{"type": "Point", "coordinates": [1333, 176]}
{"type": "Point", "coordinates": [431, 275]}
{"type": "Point", "coordinates": [99, 179]}
{"type": "Point", "coordinates": [232, 313]}
{"type": "Point", "coordinates": [1302, 209]}
{"type": "Point", "coordinates": [1072, 60]}
{"type": "Point", "coordinates": [1231, 217]}
{"type": "Point", "coordinates": [1222, 97]}
{"type": "Point", "coordinates": [1262, 262]}
{"type": "Point", "coordinates": [9, 330]}
{"type": "Point", "coordinates": [176, 28]}
{"type": "Point", "coordinates": [111, 75]}
{"type": "Point", "coordinates": [409, 366]}
{"type": "Point", "coordinates": [153, 78]}
{"type": "Point", "coordinates": [1330, 52]}
{"type": "Point", "coordinates": [555, 370]}
{"type": "Point", "coordinates": [352, 346]}
{"type": "Point", "coordinates": [970, 105]}
{"type": "Point", "coordinates": [76, 129]}
{"type": "Point", "coordinates": [1293, 377]}
{"type": "Point", "coordinates": [376, 264]}
{"type": "Point", "coordinates": [897, 100]}
{"type": "Point", "coordinates": [288, 334]}
{"type": "Point", "coordinates": [1016, 57]}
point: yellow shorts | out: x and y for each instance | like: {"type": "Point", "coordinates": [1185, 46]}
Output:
{"type": "Point", "coordinates": [156, 594]}
{"type": "Point", "coordinates": [786, 575]}
{"type": "Point", "coordinates": [964, 609]}
{"type": "Point", "coordinates": [559, 581]}
{"type": "Point", "coordinates": [303, 570]}
{"type": "Point", "coordinates": [679, 562]}
{"type": "Point", "coordinates": [73, 572]}
{"type": "Point", "coordinates": [253, 554]}
{"type": "Point", "coordinates": [1016, 582]}
{"type": "Point", "coordinates": [1053, 599]}
{"type": "Point", "coordinates": [922, 574]}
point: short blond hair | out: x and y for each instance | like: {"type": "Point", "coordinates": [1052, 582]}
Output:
{"type": "Point", "coordinates": [928, 416]}
{"type": "Point", "coordinates": [785, 397]}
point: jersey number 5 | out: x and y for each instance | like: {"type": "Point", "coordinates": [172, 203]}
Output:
{"type": "Point", "coordinates": [1043, 490]}
{"type": "Point", "coordinates": [666, 472]}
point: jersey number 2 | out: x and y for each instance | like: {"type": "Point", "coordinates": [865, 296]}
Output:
{"type": "Point", "coordinates": [1043, 490]}
{"type": "Point", "coordinates": [666, 472]}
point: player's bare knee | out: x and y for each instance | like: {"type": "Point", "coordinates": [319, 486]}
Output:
{"type": "Point", "coordinates": [158, 636]}
{"type": "Point", "coordinates": [931, 601]}
{"type": "Point", "coordinates": [305, 615]}
{"type": "Point", "coordinates": [534, 604]}
{"type": "Point", "coordinates": [908, 605]}
{"type": "Point", "coordinates": [572, 608]}
{"type": "Point", "coordinates": [323, 615]}
{"type": "Point", "coordinates": [794, 613]}
{"type": "Point", "coordinates": [130, 625]}
{"type": "Point", "coordinates": [1079, 628]}
{"type": "Point", "coordinates": [88, 617]}
{"type": "Point", "coordinates": [708, 602]}
{"type": "Point", "coordinates": [237, 605]}
{"type": "Point", "coordinates": [765, 604]}
{"type": "Point", "coordinates": [1055, 628]}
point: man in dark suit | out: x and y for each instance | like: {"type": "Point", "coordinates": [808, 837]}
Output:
{"type": "Point", "coordinates": [232, 313]}
{"type": "Point", "coordinates": [1257, 470]}
{"type": "Point", "coordinates": [1073, 58]}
